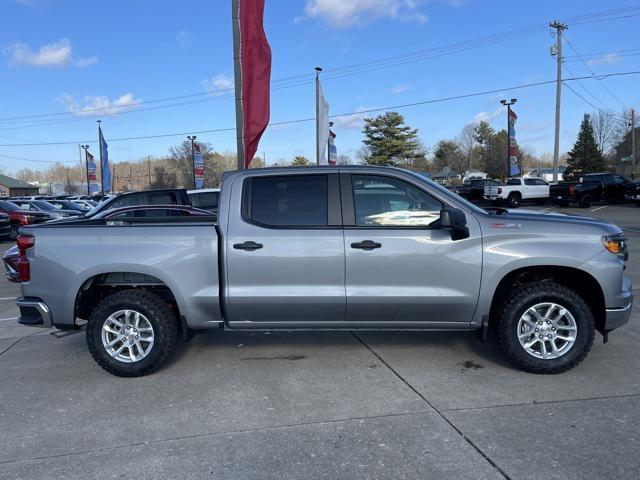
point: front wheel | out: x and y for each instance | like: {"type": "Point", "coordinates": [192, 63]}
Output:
{"type": "Point", "coordinates": [585, 202]}
{"type": "Point", "coordinates": [131, 333]}
{"type": "Point", "coordinates": [545, 327]}
{"type": "Point", "coordinates": [13, 231]}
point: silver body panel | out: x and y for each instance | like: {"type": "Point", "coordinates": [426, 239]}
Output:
{"type": "Point", "coordinates": [312, 278]}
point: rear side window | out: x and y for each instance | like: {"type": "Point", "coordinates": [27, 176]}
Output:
{"type": "Point", "coordinates": [288, 201]}
{"type": "Point", "coordinates": [530, 181]}
{"type": "Point", "coordinates": [514, 181]}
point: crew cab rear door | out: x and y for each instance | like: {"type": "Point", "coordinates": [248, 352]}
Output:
{"type": "Point", "coordinates": [284, 251]}
{"type": "Point", "coordinates": [402, 270]}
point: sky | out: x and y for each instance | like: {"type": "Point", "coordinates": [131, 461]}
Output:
{"type": "Point", "coordinates": [65, 64]}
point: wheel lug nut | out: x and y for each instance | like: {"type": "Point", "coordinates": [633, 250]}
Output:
{"type": "Point", "coordinates": [539, 323]}
{"type": "Point", "coordinates": [537, 329]}
{"type": "Point", "coordinates": [540, 336]}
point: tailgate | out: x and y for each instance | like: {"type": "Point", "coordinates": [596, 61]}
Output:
{"type": "Point", "coordinates": [491, 190]}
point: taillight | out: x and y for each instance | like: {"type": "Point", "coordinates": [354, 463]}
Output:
{"type": "Point", "coordinates": [24, 243]}
{"type": "Point", "coordinates": [572, 190]}
{"type": "Point", "coordinates": [23, 219]}
{"type": "Point", "coordinates": [499, 190]}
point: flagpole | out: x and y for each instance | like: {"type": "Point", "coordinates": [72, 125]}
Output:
{"type": "Point", "coordinates": [237, 71]}
{"type": "Point", "coordinates": [86, 166]}
{"type": "Point", "coordinates": [318, 144]}
{"type": "Point", "coordinates": [100, 151]}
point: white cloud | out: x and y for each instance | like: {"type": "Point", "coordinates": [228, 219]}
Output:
{"type": "Point", "coordinates": [399, 89]}
{"type": "Point", "coordinates": [345, 13]}
{"type": "Point", "coordinates": [184, 38]}
{"type": "Point", "coordinates": [489, 116]}
{"type": "Point", "coordinates": [56, 54]}
{"type": "Point", "coordinates": [608, 59]}
{"type": "Point", "coordinates": [219, 84]}
{"type": "Point", "coordinates": [355, 121]}
{"type": "Point", "coordinates": [99, 104]}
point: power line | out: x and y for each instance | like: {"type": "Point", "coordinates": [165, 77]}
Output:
{"type": "Point", "coordinates": [348, 70]}
{"type": "Point", "coordinates": [310, 119]}
{"type": "Point", "coordinates": [37, 161]}
{"type": "Point", "coordinates": [607, 107]}
{"type": "Point", "coordinates": [593, 73]}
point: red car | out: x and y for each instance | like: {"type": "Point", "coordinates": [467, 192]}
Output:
{"type": "Point", "coordinates": [19, 217]}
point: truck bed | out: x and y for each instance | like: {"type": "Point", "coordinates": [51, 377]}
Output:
{"type": "Point", "coordinates": [183, 255]}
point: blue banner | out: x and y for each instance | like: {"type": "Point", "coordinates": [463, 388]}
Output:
{"type": "Point", "coordinates": [104, 167]}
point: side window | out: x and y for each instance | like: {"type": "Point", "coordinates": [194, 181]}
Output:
{"type": "Point", "coordinates": [128, 201]}
{"type": "Point", "coordinates": [288, 201]}
{"type": "Point", "coordinates": [514, 181]}
{"type": "Point", "coordinates": [618, 179]}
{"type": "Point", "coordinates": [168, 198]}
{"type": "Point", "coordinates": [387, 202]}
{"type": "Point", "coordinates": [530, 181]}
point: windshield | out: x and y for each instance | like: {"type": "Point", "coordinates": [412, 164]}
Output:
{"type": "Point", "coordinates": [9, 207]}
{"type": "Point", "coordinates": [67, 205]}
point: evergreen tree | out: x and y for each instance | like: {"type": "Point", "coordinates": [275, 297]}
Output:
{"type": "Point", "coordinates": [585, 157]}
{"type": "Point", "coordinates": [300, 161]}
{"type": "Point", "coordinates": [388, 141]}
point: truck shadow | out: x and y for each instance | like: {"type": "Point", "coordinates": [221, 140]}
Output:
{"type": "Point", "coordinates": [465, 347]}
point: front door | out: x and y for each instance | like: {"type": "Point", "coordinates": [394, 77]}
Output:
{"type": "Point", "coordinates": [401, 268]}
{"type": "Point", "coordinates": [285, 252]}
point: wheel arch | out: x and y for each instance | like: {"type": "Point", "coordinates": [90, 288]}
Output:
{"type": "Point", "coordinates": [580, 281]}
{"type": "Point", "coordinates": [99, 285]}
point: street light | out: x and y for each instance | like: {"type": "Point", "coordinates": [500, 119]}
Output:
{"type": "Point", "coordinates": [193, 158]}
{"type": "Point", "coordinates": [508, 105]}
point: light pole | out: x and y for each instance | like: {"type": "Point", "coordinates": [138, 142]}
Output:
{"type": "Point", "coordinates": [508, 105]}
{"type": "Point", "coordinates": [193, 158]}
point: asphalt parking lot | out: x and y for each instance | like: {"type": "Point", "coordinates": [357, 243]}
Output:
{"type": "Point", "coordinates": [321, 405]}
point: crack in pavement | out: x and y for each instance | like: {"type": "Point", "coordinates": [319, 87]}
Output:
{"type": "Point", "coordinates": [542, 402]}
{"type": "Point", "coordinates": [437, 411]}
{"type": "Point", "coordinates": [216, 434]}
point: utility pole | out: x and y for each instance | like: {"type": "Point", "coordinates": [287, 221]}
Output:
{"type": "Point", "coordinates": [193, 158]}
{"type": "Point", "coordinates": [101, 164]}
{"type": "Point", "coordinates": [149, 168]}
{"type": "Point", "coordinates": [68, 182]}
{"type": "Point", "coordinates": [508, 105]}
{"type": "Point", "coordinates": [556, 146]}
{"type": "Point", "coordinates": [633, 142]}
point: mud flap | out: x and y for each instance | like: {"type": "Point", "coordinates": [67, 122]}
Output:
{"type": "Point", "coordinates": [483, 331]}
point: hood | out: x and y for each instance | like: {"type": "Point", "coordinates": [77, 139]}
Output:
{"type": "Point", "coordinates": [513, 216]}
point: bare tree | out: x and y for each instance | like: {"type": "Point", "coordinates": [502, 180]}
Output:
{"type": "Point", "coordinates": [469, 147]}
{"type": "Point", "coordinates": [605, 129]}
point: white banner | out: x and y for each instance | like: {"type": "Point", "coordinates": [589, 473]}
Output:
{"type": "Point", "coordinates": [322, 125]}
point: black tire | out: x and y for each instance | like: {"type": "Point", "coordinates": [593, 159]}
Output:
{"type": "Point", "coordinates": [513, 200]}
{"type": "Point", "coordinates": [157, 312]}
{"type": "Point", "coordinates": [13, 231]}
{"type": "Point", "coordinates": [585, 202]}
{"type": "Point", "coordinates": [516, 304]}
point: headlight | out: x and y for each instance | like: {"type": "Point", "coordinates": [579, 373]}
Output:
{"type": "Point", "coordinates": [616, 244]}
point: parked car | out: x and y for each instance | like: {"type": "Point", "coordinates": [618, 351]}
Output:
{"type": "Point", "coordinates": [473, 189]}
{"type": "Point", "coordinates": [347, 247]}
{"type": "Point", "coordinates": [206, 198]}
{"type": "Point", "coordinates": [67, 205]}
{"type": "Point", "coordinates": [633, 193]}
{"type": "Point", "coordinates": [45, 207]}
{"type": "Point", "coordinates": [152, 213]}
{"type": "Point", "coordinates": [86, 205]}
{"type": "Point", "coordinates": [592, 187]}
{"type": "Point", "coordinates": [5, 226]}
{"type": "Point", "coordinates": [517, 190]}
{"type": "Point", "coordinates": [169, 196]}
{"type": "Point", "coordinates": [19, 217]}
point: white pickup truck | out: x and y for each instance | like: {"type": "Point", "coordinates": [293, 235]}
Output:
{"type": "Point", "coordinates": [518, 189]}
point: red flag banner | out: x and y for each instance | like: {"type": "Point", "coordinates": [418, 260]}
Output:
{"type": "Point", "coordinates": [255, 63]}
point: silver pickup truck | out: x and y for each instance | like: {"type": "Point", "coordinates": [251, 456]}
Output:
{"type": "Point", "coordinates": [324, 248]}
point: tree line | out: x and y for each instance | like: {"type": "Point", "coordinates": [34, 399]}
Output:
{"type": "Point", "coordinates": [603, 141]}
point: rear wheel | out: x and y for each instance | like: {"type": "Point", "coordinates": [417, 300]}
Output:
{"type": "Point", "coordinates": [514, 199]}
{"type": "Point", "coordinates": [131, 333]}
{"type": "Point", "coordinates": [585, 202]}
{"type": "Point", "coordinates": [545, 327]}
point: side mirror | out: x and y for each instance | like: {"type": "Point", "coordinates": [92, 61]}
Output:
{"type": "Point", "coordinates": [454, 220]}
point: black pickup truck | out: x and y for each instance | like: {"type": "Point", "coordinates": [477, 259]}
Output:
{"type": "Point", "coordinates": [592, 187]}
{"type": "Point", "coordinates": [474, 189]}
